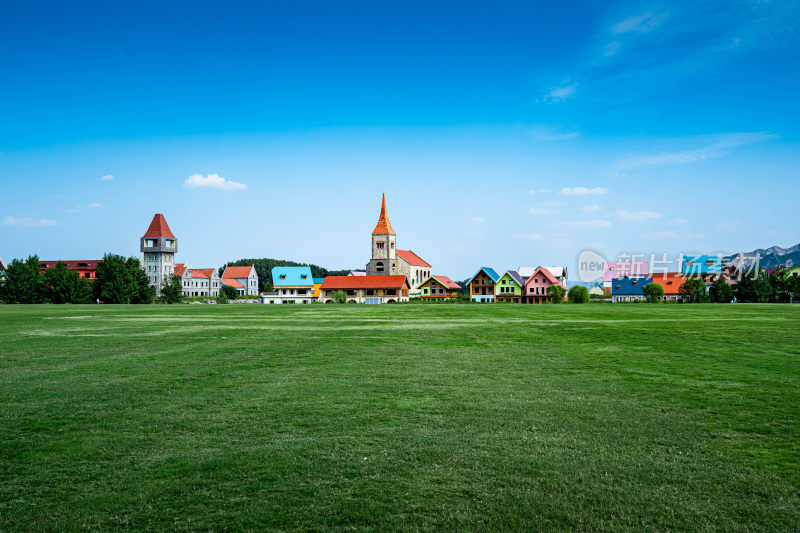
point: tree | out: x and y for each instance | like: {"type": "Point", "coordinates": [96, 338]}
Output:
{"type": "Point", "coordinates": [556, 293]}
{"type": "Point", "coordinates": [171, 289]}
{"type": "Point", "coordinates": [693, 290]}
{"type": "Point", "coordinates": [64, 286]}
{"type": "Point", "coordinates": [721, 292]}
{"type": "Point", "coordinates": [22, 283]}
{"type": "Point", "coordinates": [229, 292]}
{"type": "Point", "coordinates": [340, 297]}
{"type": "Point", "coordinates": [222, 298]}
{"type": "Point", "coordinates": [122, 281]}
{"type": "Point", "coordinates": [578, 295]}
{"type": "Point", "coordinates": [779, 287]}
{"type": "Point", "coordinates": [653, 292]}
{"type": "Point", "coordinates": [264, 270]}
{"type": "Point", "coordinates": [753, 288]}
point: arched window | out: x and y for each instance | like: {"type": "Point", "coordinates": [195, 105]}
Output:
{"type": "Point", "coordinates": [379, 266]}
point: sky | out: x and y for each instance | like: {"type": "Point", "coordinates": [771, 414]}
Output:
{"type": "Point", "coordinates": [503, 134]}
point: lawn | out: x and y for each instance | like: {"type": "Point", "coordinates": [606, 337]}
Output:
{"type": "Point", "coordinates": [405, 417]}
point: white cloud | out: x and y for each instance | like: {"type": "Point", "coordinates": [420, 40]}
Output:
{"type": "Point", "coordinates": [539, 211]}
{"type": "Point", "coordinates": [711, 147]}
{"type": "Point", "coordinates": [90, 205]}
{"type": "Point", "coordinates": [471, 233]}
{"type": "Point", "coordinates": [538, 191]}
{"type": "Point", "coordinates": [94, 205]}
{"type": "Point", "coordinates": [479, 220]}
{"type": "Point", "coordinates": [583, 191]}
{"type": "Point", "coordinates": [594, 208]}
{"type": "Point", "coordinates": [107, 177]}
{"type": "Point", "coordinates": [560, 94]}
{"type": "Point", "coordinates": [637, 216]}
{"type": "Point", "coordinates": [212, 181]}
{"type": "Point", "coordinates": [678, 222]}
{"type": "Point", "coordinates": [669, 234]}
{"type": "Point", "coordinates": [547, 133]}
{"type": "Point", "coordinates": [588, 224]}
{"type": "Point", "coordinates": [638, 23]}
{"type": "Point", "coordinates": [529, 236]}
{"type": "Point", "coordinates": [28, 222]}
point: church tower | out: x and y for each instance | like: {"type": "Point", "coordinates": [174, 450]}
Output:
{"type": "Point", "coordinates": [159, 246]}
{"type": "Point", "coordinates": [384, 255]}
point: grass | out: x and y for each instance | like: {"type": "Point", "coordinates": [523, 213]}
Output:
{"type": "Point", "coordinates": [408, 417]}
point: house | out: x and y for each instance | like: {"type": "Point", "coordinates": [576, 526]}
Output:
{"type": "Point", "coordinates": [159, 247]}
{"type": "Point", "coordinates": [290, 284]}
{"type": "Point", "coordinates": [438, 287]}
{"type": "Point", "coordinates": [87, 268]}
{"type": "Point", "coordinates": [794, 271]}
{"type": "Point", "coordinates": [243, 278]}
{"type": "Point", "coordinates": [179, 269]}
{"type": "Point", "coordinates": [671, 282]}
{"type": "Point", "coordinates": [481, 285]}
{"type": "Point", "coordinates": [534, 290]}
{"type": "Point", "coordinates": [597, 292]}
{"type": "Point", "coordinates": [201, 282]}
{"type": "Point", "coordinates": [389, 261]}
{"type": "Point", "coordinates": [628, 289]}
{"type": "Point", "coordinates": [317, 287]}
{"type": "Point", "coordinates": [357, 273]}
{"type": "Point", "coordinates": [366, 289]}
{"type": "Point", "coordinates": [624, 269]}
{"type": "Point", "coordinates": [509, 287]}
{"type": "Point", "coordinates": [706, 267]}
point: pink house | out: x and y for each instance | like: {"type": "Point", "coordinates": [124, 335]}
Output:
{"type": "Point", "coordinates": [621, 269]}
{"type": "Point", "coordinates": [535, 289]}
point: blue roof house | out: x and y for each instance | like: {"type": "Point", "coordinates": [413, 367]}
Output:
{"type": "Point", "coordinates": [292, 285]}
{"type": "Point", "coordinates": [482, 285]}
{"type": "Point", "coordinates": [628, 289]}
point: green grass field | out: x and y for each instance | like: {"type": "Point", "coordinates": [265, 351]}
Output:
{"type": "Point", "coordinates": [407, 417]}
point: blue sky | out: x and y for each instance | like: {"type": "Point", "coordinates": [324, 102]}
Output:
{"type": "Point", "coordinates": [503, 135]}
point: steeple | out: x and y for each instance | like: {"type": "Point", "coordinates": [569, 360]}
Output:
{"type": "Point", "coordinates": [383, 227]}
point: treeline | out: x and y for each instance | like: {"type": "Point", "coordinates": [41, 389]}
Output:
{"type": "Point", "coordinates": [265, 265]}
{"type": "Point", "coordinates": [752, 288]}
{"type": "Point", "coordinates": [119, 280]}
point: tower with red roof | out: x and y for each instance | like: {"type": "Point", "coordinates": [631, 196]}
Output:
{"type": "Point", "coordinates": [159, 246]}
{"type": "Point", "coordinates": [387, 260]}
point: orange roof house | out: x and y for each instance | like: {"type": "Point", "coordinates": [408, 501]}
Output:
{"type": "Point", "coordinates": [179, 269]}
{"type": "Point", "coordinates": [366, 289]}
{"type": "Point", "coordinates": [412, 259]}
{"type": "Point", "coordinates": [200, 281]}
{"type": "Point", "coordinates": [243, 278]}
{"type": "Point", "coordinates": [671, 282]}
{"type": "Point", "coordinates": [437, 286]}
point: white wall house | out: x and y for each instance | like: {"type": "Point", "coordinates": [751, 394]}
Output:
{"type": "Point", "coordinates": [201, 282]}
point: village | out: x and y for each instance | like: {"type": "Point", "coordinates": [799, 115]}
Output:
{"type": "Point", "coordinates": [395, 275]}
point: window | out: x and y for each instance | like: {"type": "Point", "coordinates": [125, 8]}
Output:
{"type": "Point", "coordinates": [304, 276]}
{"type": "Point", "coordinates": [283, 276]}
{"type": "Point", "coordinates": [380, 245]}
{"type": "Point", "coordinates": [379, 266]}
{"type": "Point", "coordinates": [392, 245]}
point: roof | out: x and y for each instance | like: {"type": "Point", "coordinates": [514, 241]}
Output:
{"type": "Point", "coordinates": [232, 272]}
{"type": "Point", "coordinates": [383, 227]}
{"type": "Point", "coordinates": [444, 280]}
{"type": "Point", "coordinates": [629, 286]}
{"type": "Point", "coordinates": [557, 271]}
{"type": "Point", "coordinates": [292, 276]}
{"type": "Point", "coordinates": [204, 273]}
{"type": "Point", "coordinates": [621, 269]}
{"type": "Point", "coordinates": [546, 273]}
{"type": "Point", "coordinates": [513, 274]}
{"type": "Point", "coordinates": [180, 268]}
{"type": "Point", "coordinates": [232, 283]}
{"type": "Point", "coordinates": [489, 272]}
{"type": "Point", "coordinates": [363, 282]}
{"type": "Point", "coordinates": [411, 258]}
{"type": "Point", "coordinates": [2, 264]}
{"type": "Point", "coordinates": [527, 272]}
{"type": "Point", "coordinates": [357, 273]}
{"type": "Point", "coordinates": [317, 281]}
{"type": "Point", "coordinates": [702, 264]}
{"type": "Point", "coordinates": [158, 228]}
{"type": "Point", "coordinates": [78, 264]}
{"type": "Point", "coordinates": [671, 281]}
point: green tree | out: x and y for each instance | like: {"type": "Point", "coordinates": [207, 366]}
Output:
{"type": "Point", "coordinates": [222, 298]}
{"type": "Point", "coordinates": [122, 281]}
{"type": "Point", "coordinates": [64, 286]}
{"type": "Point", "coordinates": [578, 295]}
{"type": "Point", "coordinates": [653, 292]}
{"type": "Point", "coordinates": [264, 270]}
{"type": "Point", "coordinates": [171, 289]}
{"type": "Point", "coordinates": [693, 290]}
{"type": "Point", "coordinates": [22, 283]}
{"type": "Point", "coordinates": [556, 293]}
{"type": "Point", "coordinates": [753, 288]}
{"type": "Point", "coordinates": [230, 292]}
{"type": "Point", "coordinates": [340, 297]}
{"type": "Point", "coordinates": [721, 292]}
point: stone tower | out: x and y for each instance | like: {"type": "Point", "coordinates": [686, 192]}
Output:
{"type": "Point", "coordinates": [159, 246]}
{"type": "Point", "coordinates": [384, 255]}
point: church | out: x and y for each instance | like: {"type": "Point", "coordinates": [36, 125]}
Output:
{"type": "Point", "coordinates": [387, 260]}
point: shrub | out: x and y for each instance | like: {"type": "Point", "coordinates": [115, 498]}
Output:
{"type": "Point", "coordinates": [653, 292]}
{"type": "Point", "coordinates": [556, 293]}
{"type": "Point", "coordinates": [340, 297]}
{"type": "Point", "coordinates": [578, 295]}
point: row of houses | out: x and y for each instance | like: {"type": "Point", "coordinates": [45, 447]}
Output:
{"type": "Point", "coordinates": [524, 285]}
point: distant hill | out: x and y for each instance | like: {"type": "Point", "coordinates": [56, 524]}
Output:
{"type": "Point", "coordinates": [264, 269]}
{"type": "Point", "coordinates": [775, 256]}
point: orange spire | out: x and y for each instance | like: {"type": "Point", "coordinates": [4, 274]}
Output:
{"type": "Point", "coordinates": [383, 227]}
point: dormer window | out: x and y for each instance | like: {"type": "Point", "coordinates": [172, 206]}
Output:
{"type": "Point", "coordinates": [304, 276]}
{"type": "Point", "coordinates": [283, 276]}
